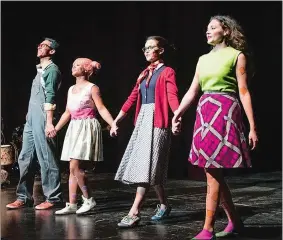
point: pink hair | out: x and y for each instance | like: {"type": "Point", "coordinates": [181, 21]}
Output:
{"type": "Point", "coordinates": [89, 65]}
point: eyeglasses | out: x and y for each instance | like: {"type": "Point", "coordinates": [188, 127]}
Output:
{"type": "Point", "coordinates": [144, 49]}
{"type": "Point", "coordinates": [43, 45]}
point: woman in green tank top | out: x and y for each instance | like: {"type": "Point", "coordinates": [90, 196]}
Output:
{"type": "Point", "coordinates": [218, 139]}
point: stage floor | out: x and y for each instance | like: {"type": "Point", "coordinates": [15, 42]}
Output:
{"type": "Point", "coordinates": [258, 198]}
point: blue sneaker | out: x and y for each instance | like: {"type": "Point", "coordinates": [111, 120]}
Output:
{"type": "Point", "coordinates": [161, 213]}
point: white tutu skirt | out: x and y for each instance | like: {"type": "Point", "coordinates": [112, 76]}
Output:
{"type": "Point", "coordinates": [83, 141]}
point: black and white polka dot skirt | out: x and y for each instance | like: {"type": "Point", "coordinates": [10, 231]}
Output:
{"type": "Point", "coordinates": [146, 157]}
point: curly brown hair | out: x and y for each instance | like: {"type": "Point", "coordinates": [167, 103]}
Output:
{"type": "Point", "coordinates": [235, 37]}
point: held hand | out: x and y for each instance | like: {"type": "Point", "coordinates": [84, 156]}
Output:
{"type": "Point", "coordinates": [50, 130]}
{"type": "Point", "coordinates": [176, 128]}
{"type": "Point", "coordinates": [175, 120]}
{"type": "Point", "coordinates": [113, 130]}
{"type": "Point", "coordinates": [253, 139]}
{"type": "Point", "coordinates": [56, 129]}
{"type": "Point", "coordinates": [176, 125]}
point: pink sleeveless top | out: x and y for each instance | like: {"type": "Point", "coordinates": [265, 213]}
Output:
{"type": "Point", "coordinates": [81, 105]}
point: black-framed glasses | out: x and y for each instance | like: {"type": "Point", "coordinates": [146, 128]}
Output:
{"type": "Point", "coordinates": [42, 45]}
{"type": "Point", "coordinates": [144, 49]}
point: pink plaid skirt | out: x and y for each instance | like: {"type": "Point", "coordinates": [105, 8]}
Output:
{"type": "Point", "coordinates": [218, 140]}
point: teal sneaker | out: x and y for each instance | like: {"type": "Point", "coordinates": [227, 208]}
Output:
{"type": "Point", "coordinates": [161, 213]}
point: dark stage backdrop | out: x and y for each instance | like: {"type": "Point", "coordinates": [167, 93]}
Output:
{"type": "Point", "coordinates": [114, 33]}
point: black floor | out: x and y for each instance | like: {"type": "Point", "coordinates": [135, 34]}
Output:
{"type": "Point", "coordinates": [258, 198]}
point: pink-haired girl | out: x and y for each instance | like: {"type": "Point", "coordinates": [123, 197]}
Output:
{"type": "Point", "coordinates": [83, 140]}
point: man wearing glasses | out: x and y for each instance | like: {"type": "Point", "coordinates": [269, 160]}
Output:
{"type": "Point", "coordinates": [39, 133]}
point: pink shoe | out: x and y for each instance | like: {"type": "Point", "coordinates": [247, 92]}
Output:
{"type": "Point", "coordinates": [18, 204]}
{"type": "Point", "coordinates": [231, 230]}
{"type": "Point", "coordinates": [45, 205]}
{"type": "Point", "coordinates": [205, 235]}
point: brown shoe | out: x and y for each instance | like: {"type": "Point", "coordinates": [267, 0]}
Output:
{"type": "Point", "coordinates": [17, 204]}
{"type": "Point", "coordinates": [45, 205]}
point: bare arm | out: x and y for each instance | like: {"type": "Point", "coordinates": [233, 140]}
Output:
{"type": "Point", "coordinates": [104, 113]}
{"type": "Point", "coordinates": [189, 97]}
{"type": "Point", "coordinates": [128, 104]}
{"type": "Point", "coordinates": [63, 120]}
{"type": "Point", "coordinates": [120, 116]}
{"type": "Point", "coordinates": [50, 131]}
{"type": "Point", "coordinates": [51, 84]}
{"type": "Point", "coordinates": [125, 108]}
{"type": "Point", "coordinates": [245, 97]}
{"type": "Point", "coordinates": [185, 103]}
{"type": "Point", "coordinates": [49, 117]}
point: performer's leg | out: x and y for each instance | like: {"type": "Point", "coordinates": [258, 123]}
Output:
{"type": "Point", "coordinates": [214, 179]}
{"type": "Point", "coordinates": [49, 165]}
{"type": "Point", "coordinates": [160, 192]}
{"type": "Point", "coordinates": [235, 224]}
{"type": "Point", "coordinates": [142, 189]}
{"type": "Point", "coordinates": [26, 162]}
{"type": "Point", "coordinates": [163, 210]}
{"type": "Point", "coordinates": [79, 176]}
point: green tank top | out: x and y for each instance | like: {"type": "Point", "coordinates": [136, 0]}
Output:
{"type": "Point", "coordinates": [217, 70]}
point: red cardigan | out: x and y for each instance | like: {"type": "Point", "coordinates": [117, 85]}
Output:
{"type": "Point", "coordinates": [166, 93]}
